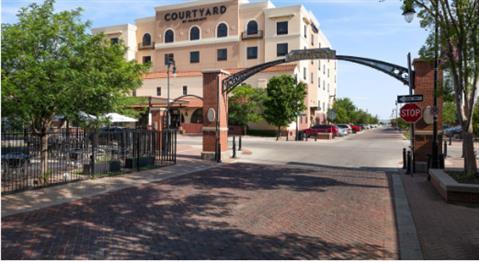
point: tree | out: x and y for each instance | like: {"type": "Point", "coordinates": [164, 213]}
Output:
{"type": "Point", "coordinates": [458, 21]}
{"type": "Point", "coordinates": [345, 109]}
{"type": "Point", "coordinates": [284, 101]}
{"type": "Point", "coordinates": [52, 66]}
{"type": "Point", "coordinates": [245, 105]}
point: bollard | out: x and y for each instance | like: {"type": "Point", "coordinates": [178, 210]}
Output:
{"type": "Point", "coordinates": [239, 146]}
{"type": "Point", "coordinates": [409, 167]}
{"type": "Point", "coordinates": [445, 149]}
{"type": "Point", "coordinates": [450, 140]}
{"type": "Point", "coordinates": [404, 158]}
{"type": "Point", "coordinates": [413, 163]}
{"type": "Point", "coordinates": [441, 161]}
{"type": "Point", "coordinates": [234, 146]}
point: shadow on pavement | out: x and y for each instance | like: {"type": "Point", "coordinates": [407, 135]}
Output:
{"type": "Point", "coordinates": [181, 218]}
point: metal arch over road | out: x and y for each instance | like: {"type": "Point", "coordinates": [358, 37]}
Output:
{"type": "Point", "coordinates": [396, 71]}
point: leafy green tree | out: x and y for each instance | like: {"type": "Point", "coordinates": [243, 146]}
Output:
{"type": "Point", "coordinates": [449, 113]}
{"type": "Point", "coordinates": [245, 105]}
{"type": "Point", "coordinates": [458, 23]}
{"type": "Point", "coordinates": [284, 101]}
{"type": "Point", "coordinates": [52, 66]}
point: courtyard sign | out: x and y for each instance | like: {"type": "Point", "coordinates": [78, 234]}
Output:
{"type": "Point", "coordinates": [315, 53]}
{"type": "Point", "coordinates": [195, 15]}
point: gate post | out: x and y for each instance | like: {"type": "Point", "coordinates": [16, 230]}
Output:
{"type": "Point", "coordinates": [215, 103]}
{"type": "Point", "coordinates": [423, 137]}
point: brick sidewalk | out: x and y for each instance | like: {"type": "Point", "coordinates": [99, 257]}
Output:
{"type": "Point", "coordinates": [445, 231]}
{"type": "Point", "coordinates": [237, 211]}
{"type": "Point", "coordinates": [45, 197]}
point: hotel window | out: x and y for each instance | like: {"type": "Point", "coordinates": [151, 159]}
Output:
{"type": "Point", "coordinates": [312, 78]}
{"type": "Point", "coordinates": [324, 69]}
{"type": "Point", "coordinates": [282, 28]}
{"type": "Point", "coordinates": [312, 39]}
{"type": "Point", "coordinates": [252, 52]}
{"type": "Point", "coordinates": [252, 28]}
{"type": "Point", "coordinates": [194, 33]}
{"type": "Point", "coordinates": [282, 49]}
{"type": "Point", "coordinates": [222, 54]}
{"type": "Point", "coordinates": [305, 74]}
{"type": "Point", "coordinates": [114, 40]}
{"type": "Point", "coordinates": [328, 72]}
{"type": "Point", "coordinates": [305, 31]}
{"type": "Point", "coordinates": [146, 59]}
{"type": "Point", "coordinates": [168, 58]}
{"type": "Point", "coordinates": [222, 30]}
{"type": "Point", "coordinates": [324, 85]}
{"type": "Point", "coordinates": [169, 36]}
{"type": "Point", "coordinates": [328, 88]}
{"type": "Point", "coordinates": [158, 91]}
{"type": "Point", "coordinates": [185, 90]}
{"type": "Point", "coordinates": [319, 82]}
{"type": "Point", "coordinates": [146, 39]}
{"type": "Point", "coordinates": [195, 57]}
{"type": "Point", "coordinates": [324, 106]}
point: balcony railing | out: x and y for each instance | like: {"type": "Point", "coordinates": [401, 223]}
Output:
{"type": "Point", "coordinates": [245, 35]}
{"type": "Point", "coordinates": [142, 46]}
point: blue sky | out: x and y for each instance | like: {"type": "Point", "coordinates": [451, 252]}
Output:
{"type": "Point", "coordinates": [366, 28]}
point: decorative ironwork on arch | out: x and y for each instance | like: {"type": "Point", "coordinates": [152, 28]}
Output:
{"type": "Point", "coordinates": [396, 71]}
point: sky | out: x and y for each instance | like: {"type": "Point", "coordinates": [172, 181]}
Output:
{"type": "Point", "coordinates": [365, 28]}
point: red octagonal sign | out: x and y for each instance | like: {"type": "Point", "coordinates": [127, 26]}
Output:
{"type": "Point", "coordinates": [411, 113]}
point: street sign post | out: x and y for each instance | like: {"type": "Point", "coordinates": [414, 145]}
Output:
{"type": "Point", "coordinates": [411, 113]}
{"type": "Point", "coordinates": [410, 98]}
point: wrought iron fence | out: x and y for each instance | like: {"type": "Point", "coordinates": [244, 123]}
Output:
{"type": "Point", "coordinates": [75, 154]}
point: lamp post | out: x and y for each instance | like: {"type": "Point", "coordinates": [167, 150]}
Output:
{"type": "Point", "coordinates": [170, 62]}
{"type": "Point", "coordinates": [408, 14]}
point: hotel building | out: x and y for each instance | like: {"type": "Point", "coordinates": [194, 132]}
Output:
{"type": "Point", "coordinates": [230, 35]}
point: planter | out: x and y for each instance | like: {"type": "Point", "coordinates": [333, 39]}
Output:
{"type": "Point", "coordinates": [139, 162]}
{"type": "Point", "coordinates": [113, 166]}
{"type": "Point", "coordinates": [451, 190]}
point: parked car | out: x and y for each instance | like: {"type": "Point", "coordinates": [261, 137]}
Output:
{"type": "Point", "coordinates": [317, 129]}
{"type": "Point", "coordinates": [342, 131]}
{"type": "Point", "coordinates": [356, 128]}
{"type": "Point", "coordinates": [453, 131]}
{"type": "Point", "coordinates": [345, 126]}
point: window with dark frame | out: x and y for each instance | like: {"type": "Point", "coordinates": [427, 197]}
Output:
{"type": "Point", "coordinates": [185, 90]}
{"type": "Point", "coordinates": [282, 28]}
{"type": "Point", "coordinates": [252, 28]}
{"type": "Point", "coordinates": [146, 59]}
{"type": "Point", "coordinates": [222, 30]}
{"type": "Point", "coordinates": [312, 78]}
{"type": "Point", "coordinates": [195, 57]}
{"type": "Point", "coordinates": [252, 52]}
{"type": "Point", "coordinates": [195, 33]}
{"type": "Point", "coordinates": [282, 49]}
{"type": "Point", "coordinates": [158, 91]}
{"type": "Point", "coordinates": [222, 54]}
{"type": "Point", "coordinates": [146, 39]}
{"type": "Point", "coordinates": [305, 31]}
{"type": "Point", "coordinates": [169, 36]}
{"type": "Point", "coordinates": [114, 40]}
{"type": "Point", "coordinates": [305, 73]}
{"type": "Point", "coordinates": [168, 58]}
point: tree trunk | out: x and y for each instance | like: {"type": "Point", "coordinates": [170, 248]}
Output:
{"type": "Point", "coordinates": [278, 133]}
{"type": "Point", "coordinates": [44, 157]}
{"type": "Point", "coordinates": [470, 166]}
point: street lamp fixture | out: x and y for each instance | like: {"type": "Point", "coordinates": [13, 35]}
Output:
{"type": "Point", "coordinates": [409, 14]}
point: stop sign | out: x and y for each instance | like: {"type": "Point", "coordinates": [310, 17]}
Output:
{"type": "Point", "coordinates": [411, 113]}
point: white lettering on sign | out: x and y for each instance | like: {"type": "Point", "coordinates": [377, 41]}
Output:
{"type": "Point", "coordinates": [411, 112]}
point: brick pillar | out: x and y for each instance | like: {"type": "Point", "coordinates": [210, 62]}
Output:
{"type": "Point", "coordinates": [424, 85]}
{"type": "Point", "coordinates": [212, 82]}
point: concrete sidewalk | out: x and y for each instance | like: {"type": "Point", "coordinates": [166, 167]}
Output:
{"type": "Point", "coordinates": [49, 196]}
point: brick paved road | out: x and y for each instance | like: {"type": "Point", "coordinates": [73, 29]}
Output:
{"type": "Point", "coordinates": [238, 211]}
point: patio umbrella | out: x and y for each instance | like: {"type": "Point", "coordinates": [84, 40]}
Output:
{"type": "Point", "coordinates": [117, 118]}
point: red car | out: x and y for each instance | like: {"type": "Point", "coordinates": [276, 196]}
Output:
{"type": "Point", "coordinates": [312, 131]}
{"type": "Point", "coordinates": [356, 128]}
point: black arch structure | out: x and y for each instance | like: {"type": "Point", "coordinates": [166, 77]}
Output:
{"type": "Point", "coordinates": [398, 72]}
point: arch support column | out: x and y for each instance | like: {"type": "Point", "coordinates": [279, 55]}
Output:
{"type": "Point", "coordinates": [424, 85]}
{"type": "Point", "coordinates": [215, 132]}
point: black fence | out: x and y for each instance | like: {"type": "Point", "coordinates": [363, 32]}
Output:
{"type": "Point", "coordinates": [28, 161]}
